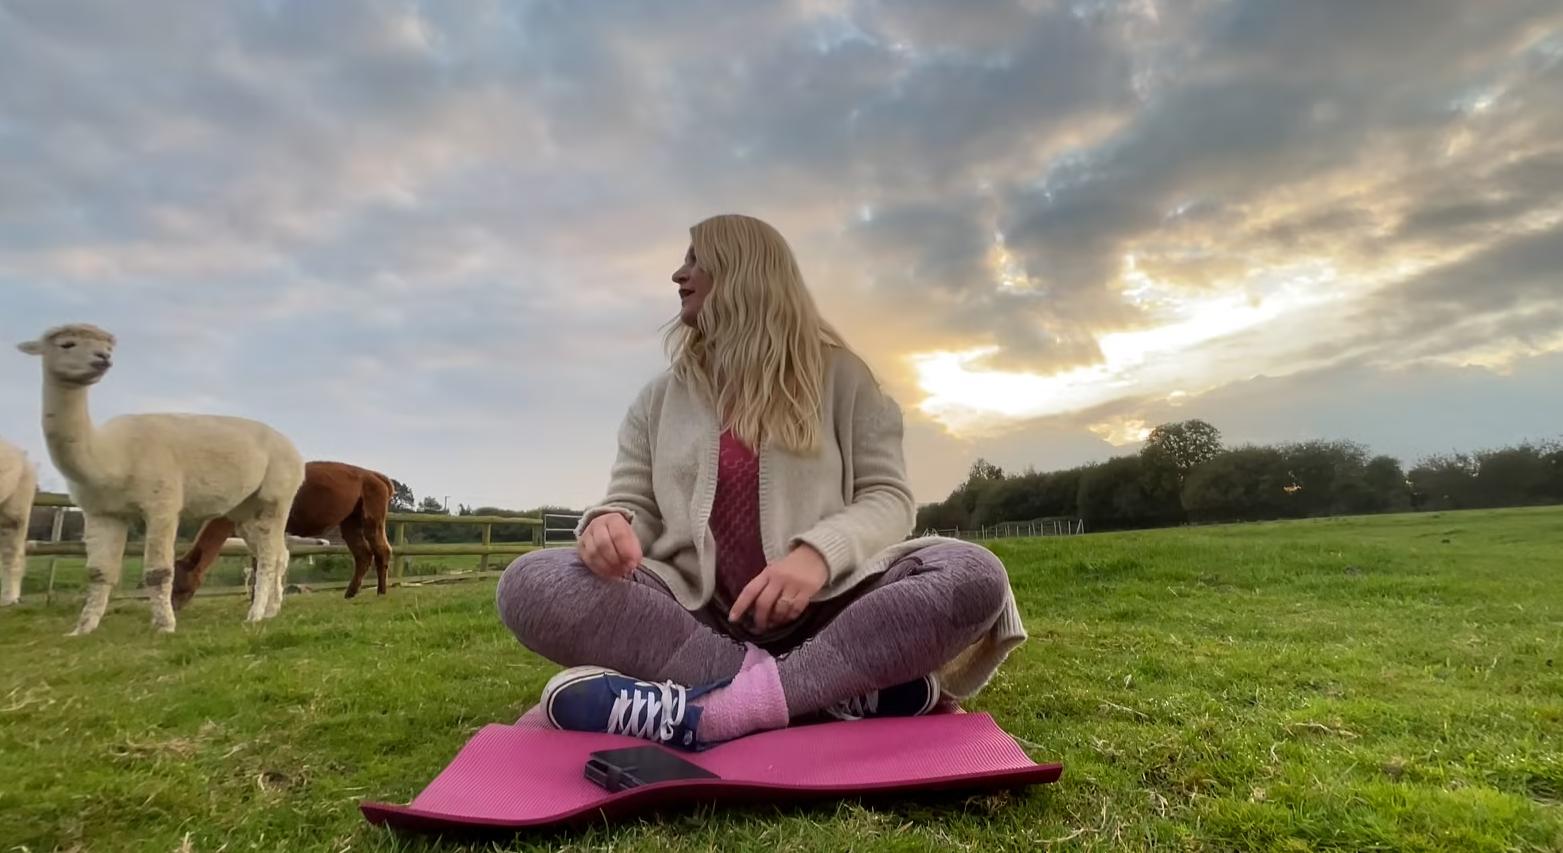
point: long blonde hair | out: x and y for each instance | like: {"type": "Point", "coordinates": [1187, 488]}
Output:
{"type": "Point", "coordinates": [757, 347]}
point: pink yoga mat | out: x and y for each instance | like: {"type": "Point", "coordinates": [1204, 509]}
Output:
{"type": "Point", "coordinates": [530, 775]}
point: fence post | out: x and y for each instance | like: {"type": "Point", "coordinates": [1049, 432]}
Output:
{"type": "Point", "coordinates": [488, 539]}
{"type": "Point", "coordinates": [56, 530]}
{"type": "Point", "coordinates": [401, 539]}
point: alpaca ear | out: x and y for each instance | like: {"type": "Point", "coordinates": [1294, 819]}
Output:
{"type": "Point", "coordinates": [30, 347]}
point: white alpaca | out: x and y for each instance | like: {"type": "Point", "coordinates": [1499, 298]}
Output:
{"type": "Point", "coordinates": [18, 484]}
{"type": "Point", "coordinates": [162, 468]}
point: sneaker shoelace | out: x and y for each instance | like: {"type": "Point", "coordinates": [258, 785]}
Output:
{"type": "Point", "coordinates": [857, 707]}
{"type": "Point", "coordinates": [649, 711]}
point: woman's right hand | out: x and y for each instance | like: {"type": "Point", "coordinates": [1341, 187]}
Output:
{"type": "Point", "coordinates": [609, 547]}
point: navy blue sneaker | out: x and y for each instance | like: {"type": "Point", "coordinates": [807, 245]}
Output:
{"type": "Point", "coordinates": [598, 699]}
{"type": "Point", "coordinates": [909, 699]}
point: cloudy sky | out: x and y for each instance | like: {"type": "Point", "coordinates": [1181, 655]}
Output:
{"type": "Point", "coordinates": [436, 238]}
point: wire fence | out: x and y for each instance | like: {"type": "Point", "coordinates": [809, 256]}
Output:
{"type": "Point", "coordinates": [1013, 529]}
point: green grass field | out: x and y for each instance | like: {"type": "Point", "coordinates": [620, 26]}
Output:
{"type": "Point", "coordinates": [1378, 684]}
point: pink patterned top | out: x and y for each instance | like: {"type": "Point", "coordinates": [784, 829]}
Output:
{"type": "Point", "coordinates": [735, 519]}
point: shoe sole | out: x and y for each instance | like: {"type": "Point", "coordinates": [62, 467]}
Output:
{"type": "Point", "coordinates": [571, 676]}
{"type": "Point", "coordinates": [935, 693]}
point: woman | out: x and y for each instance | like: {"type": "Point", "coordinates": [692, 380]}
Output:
{"type": "Point", "coordinates": [754, 568]}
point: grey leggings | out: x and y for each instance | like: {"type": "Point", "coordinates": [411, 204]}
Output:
{"type": "Point", "coordinates": [922, 612]}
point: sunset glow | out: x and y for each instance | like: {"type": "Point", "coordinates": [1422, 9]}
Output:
{"type": "Point", "coordinates": [1160, 360]}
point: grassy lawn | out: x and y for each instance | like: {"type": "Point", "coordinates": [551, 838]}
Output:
{"type": "Point", "coordinates": [1358, 684]}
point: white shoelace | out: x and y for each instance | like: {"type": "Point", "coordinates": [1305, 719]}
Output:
{"type": "Point", "coordinates": [652, 714]}
{"type": "Point", "coordinates": [857, 707]}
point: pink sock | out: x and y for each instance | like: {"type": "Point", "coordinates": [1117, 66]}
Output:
{"type": "Point", "coordinates": [752, 702]}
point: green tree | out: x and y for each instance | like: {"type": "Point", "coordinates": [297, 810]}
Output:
{"type": "Point", "coordinates": [1112, 495]}
{"type": "Point", "coordinates": [1444, 481]}
{"type": "Point", "coordinates": [1170, 452]}
{"type": "Point", "coordinates": [1242, 484]}
{"type": "Point", "coordinates": [1183, 444]}
{"type": "Point", "coordinates": [983, 470]}
{"type": "Point", "coordinates": [1327, 477]}
{"type": "Point", "coordinates": [1386, 485]}
{"type": "Point", "coordinates": [431, 505]}
{"type": "Point", "coordinates": [944, 515]}
{"type": "Point", "coordinates": [402, 499]}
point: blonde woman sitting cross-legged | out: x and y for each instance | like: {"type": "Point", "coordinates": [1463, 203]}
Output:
{"type": "Point", "coordinates": [750, 564]}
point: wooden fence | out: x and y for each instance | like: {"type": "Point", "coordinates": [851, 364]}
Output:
{"type": "Point", "coordinates": [402, 551]}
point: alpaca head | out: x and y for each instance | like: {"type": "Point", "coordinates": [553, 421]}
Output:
{"type": "Point", "coordinates": [78, 354]}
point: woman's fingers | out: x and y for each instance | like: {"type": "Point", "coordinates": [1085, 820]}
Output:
{"type": "Point", "coordinates": [608, 547]}
{"type": "Point", "coordinates": [774, 600]}
{"type": "Point", "coordinates": [746, 597]}
{"type": "Point", "coordinates": [625, 545]}
{"type": "Point", "coordinates": [768, 603]}
{"type": "Point", "coordinates": [790, 606]}
{"type": "Point", "coordinates": [592, 554]}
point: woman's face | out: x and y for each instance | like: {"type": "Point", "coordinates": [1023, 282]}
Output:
{"type": "Point", "coordinates": [693, 285]}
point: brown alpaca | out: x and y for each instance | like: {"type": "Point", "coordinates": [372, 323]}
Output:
{"type": "Point", "coordinates": [335, 494]}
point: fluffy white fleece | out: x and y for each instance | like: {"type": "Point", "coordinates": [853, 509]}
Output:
{"type": "Point", "coordinates": [18, 484]}
{"type": "Point", "coordinates": [160, 467]}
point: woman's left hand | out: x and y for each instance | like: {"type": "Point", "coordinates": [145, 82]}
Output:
{"type": "Point", "coordinates": [781, 591]}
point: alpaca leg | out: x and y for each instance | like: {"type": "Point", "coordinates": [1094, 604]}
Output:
{"type": "Point", "coordinates": [264, 535]}
{"type": "Point", "coordinates": [105, 540]}
{"type": "Point", "coordinates": [15, 514]}
{"type": "Point", "coordinates": [13, 560]}
{"type": "Point", "coordinates": [374, 532]}
{"type": "Point", "coordinates": [158, 567]}
{"type": "Point", "coordinates": [279, 584]}
{"type": "Point", "coordinates": [353, 536]}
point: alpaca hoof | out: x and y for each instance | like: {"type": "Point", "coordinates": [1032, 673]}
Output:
{"type": "Point", "coordinates": [352, 593]}
{"type": "Point", "coordinates": [164, 629]}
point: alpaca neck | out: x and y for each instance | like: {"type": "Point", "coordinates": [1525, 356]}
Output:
{"type": "Point", "coordinates": [68, 430]}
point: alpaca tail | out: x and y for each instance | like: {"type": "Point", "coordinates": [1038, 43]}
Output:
{"type": "Point", "coordinates": [190, 569]}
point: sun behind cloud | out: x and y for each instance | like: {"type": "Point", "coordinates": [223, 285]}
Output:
{"type": "Point", "coordinates": [1162, 360]}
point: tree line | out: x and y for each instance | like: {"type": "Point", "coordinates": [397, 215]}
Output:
{"type": "Point", "coordinates": [1184, 474]}
{"type": "Point", "coordinates": [403, 500]}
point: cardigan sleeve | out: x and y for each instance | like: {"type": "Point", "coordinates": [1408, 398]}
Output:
{"type": "Point", "coordinates": [629, 481]}
{"type": "Point", "coordinates": [882, 510]}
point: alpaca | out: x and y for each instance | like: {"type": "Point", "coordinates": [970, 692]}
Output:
{"type": "Point", "coordinates": [162, 468]}
{"type": "Point", "coordinates": [335, 494]}
{"type": "Point", "coordinates": [18, 486]}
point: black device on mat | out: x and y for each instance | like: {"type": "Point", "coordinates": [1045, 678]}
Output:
{"type": "Point", "coordinates": [617, 770]}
